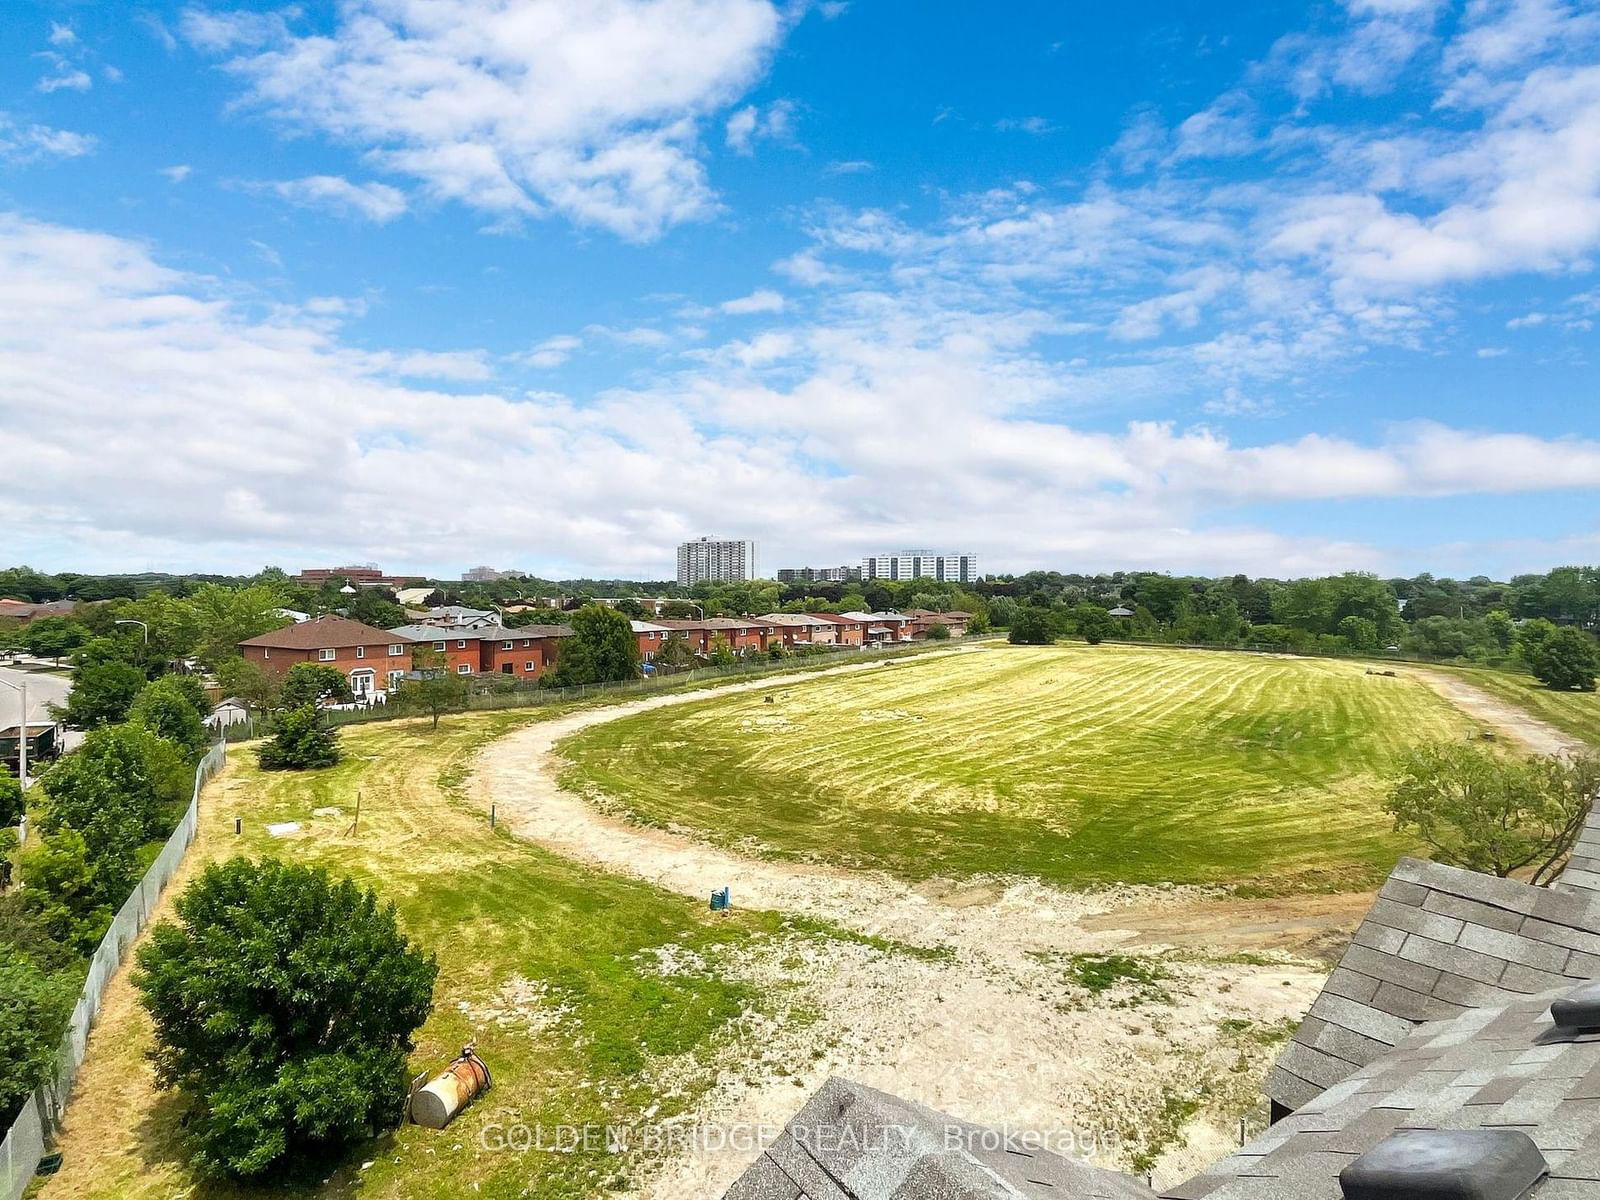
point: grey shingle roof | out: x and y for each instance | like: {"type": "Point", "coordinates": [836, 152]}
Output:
{"type": "Point", "coordinates": [1501, 1067]}
{"type": "Point", "coordinates": [1582, 872]}
{"type": "Point", "coordinates": [853, 1143]}
{"type": "Point", "coordinates": [1436, 942]}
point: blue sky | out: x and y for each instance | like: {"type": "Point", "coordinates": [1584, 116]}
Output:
{"type": "Point", "coordinates": [557, 283]}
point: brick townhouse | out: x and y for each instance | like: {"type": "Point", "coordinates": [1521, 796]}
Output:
{"type": "Point", "coordinates": [526, 652]}
{"type": "Point", "coordinates": [846, 630]}
{"type": "Point", "coordinates": [371, 658]}
{"type": "Point", "coordinates": [799, 629]}
{"type": "Point", "coordinates": [744, 635]}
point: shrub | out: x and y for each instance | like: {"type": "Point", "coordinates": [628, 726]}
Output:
{"type": "Point", "coordinates": [34, 1005]}
{"type": "Point", "coordinates": [284, 1004]}
{"type": "Point", "coordinates": [1032, 626]}
{"type": "Point", "coordinates": [1492, 814]}
{"type": "Point", "coordinates": [167, 710]}
{"type": "Point", "coordinates": [302, 742]}
{"type": "Point", "coordinates": [102, 693]}
{"type": "Point", "coordinates": [64, 891]}
{"type": "Point", "coordinates": [938, 633]}
{"type": "Point", "coordinates": [10, 798]}
{"type": "Point", "coordinates": [1566, 660]}
{"type": "Point", "coordinates": [312, 683]}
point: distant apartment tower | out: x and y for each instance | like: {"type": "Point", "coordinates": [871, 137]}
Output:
{"type": "Point", "coordinates": [921, 564]}
{"type": "Point", "coordinates": [489, 575]}
{"type": "Point", "coordinates": [818, 574]}
{"type": "Point", "coordinates": [708, 558]}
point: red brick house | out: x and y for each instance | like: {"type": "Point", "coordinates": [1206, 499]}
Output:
{"type": "Point", "coordinates": [798, 629]}
{"type": "Point", "coordinates": [523, 653]}
{"type": "Point", "coordinates": [651, 638]}
{"type": "Point", "coordinates": [847, 631]}
{"type": "Point", "coordinates": [371, 658]}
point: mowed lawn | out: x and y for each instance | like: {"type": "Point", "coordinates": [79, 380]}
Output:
{"type": "Point", "coordinates": [1078, 765]}
{"type": "Point", "coordinates": [558, 972]}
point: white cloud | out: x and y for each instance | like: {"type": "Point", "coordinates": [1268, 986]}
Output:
{"type": "Point", "coordinates": [552, 352]}
{"type": "Point", "coordinates": [1037, 126]}
{"type": "Point", "coordinates": [855, 166]}
{"type": "Point", "coordinates": [640, 335]}
{"type": "Point", "coordinates": [588, 108]}
{"type": "Point", "coordinates": [21, 144]}
{"type": "Point", "coordinates": [753, 123]}
{"type": "Point", "coordinates": [66, 78]}
{"type": "Point", "coordinates": [1492, 351]}
{"type": "Point", "coordinates": [177, 173]}
{"type": "Point", "coordinates": [61, 35]}
{"type": "Point", "coordinates": [372, 201]}
{"type": "Point", "coordinates": [933, 424]}
{"type": "Point", "coordinates": [1528, 321]}
{"type": "Point", "coordinates": [763, 301]}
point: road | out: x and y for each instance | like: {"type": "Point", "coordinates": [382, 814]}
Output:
{"type": "Point", "coordinates": [43, 690]}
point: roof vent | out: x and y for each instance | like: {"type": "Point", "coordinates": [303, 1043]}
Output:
{"type": "Point", "coordinates": [1578, 1009]}
{"type": "Point", "coordinates": [1446, 1164]}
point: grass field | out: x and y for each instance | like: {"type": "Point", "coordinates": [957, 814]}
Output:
{"type": "Point", "coordinates": [1076, 765]}
{"type": "Point", "coordinates": [1577, 713]}
{"type": "Point", "coordinates": [499, 914]}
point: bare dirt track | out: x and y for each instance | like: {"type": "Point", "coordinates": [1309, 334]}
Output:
{"type": "Point", "coordinates": [1534, 734]}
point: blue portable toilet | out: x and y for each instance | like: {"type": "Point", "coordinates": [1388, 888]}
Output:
{"type": "Point", "coordinates": [719, 900]}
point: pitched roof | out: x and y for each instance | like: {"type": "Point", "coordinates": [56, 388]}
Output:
{"type": "Point", "coordinates": [1438, 941]}
{"type": "Point", "coordinates": [790, 620]}
{"type": "Point", "coordinates": [1505, 1066]}
{"type": "Point", "coordinates": [479, 633]}
{"type": "Point", "coordinates": [324, 633]}
{"type": "Point", "coordinates": [835, 618]}
{"type": "Point", "coordinates": [851, 1142]}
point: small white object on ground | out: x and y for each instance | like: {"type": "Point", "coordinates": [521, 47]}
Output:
{"type": "Point", "coordinates": [284, 828]}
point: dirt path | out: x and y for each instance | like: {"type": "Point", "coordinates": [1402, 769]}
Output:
{"type": "Point", "coordinates": [1536, 735]}
{"type": "Point", "coordinates": [993, 1031]}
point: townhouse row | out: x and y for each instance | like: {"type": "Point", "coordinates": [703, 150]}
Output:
{"type": "Point", "coordinates": [470, 643]}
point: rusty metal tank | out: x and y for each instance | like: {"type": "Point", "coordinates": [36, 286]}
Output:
{"type": "Point", "coordinates": [436, 1104]}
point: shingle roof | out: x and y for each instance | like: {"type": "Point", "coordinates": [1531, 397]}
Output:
{"type": "Point", "coordinates": [853, 1143]}
{"type": "Point", "coordinates": [1501, 1067]}
{"type": "Point", "coordinates": [835, 618]}
{"type": "Point", "coordinates": [324, 633]}
{"type": "Point", "coordinates": [1436, 942]}
{"type": "Point", "coordinates": [479, 633]}
{"type": "Point", "coordinates": [789, 620]}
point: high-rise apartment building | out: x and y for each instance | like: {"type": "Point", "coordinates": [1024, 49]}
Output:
{"type": "Point", "coordinates": [708, 558]}
{"type": "Point", "coordinates": [818, 574]}
{"type": "Point", "coordinates": [921, 564]}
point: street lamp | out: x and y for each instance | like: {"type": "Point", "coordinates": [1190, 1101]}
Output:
{"type": "Point", "coordinates": [140, 624]}
{"type": "Point", "coordinates": [22, 732]}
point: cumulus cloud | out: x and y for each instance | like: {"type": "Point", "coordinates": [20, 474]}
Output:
{"type": "Point", "coordinates": [588, 108]}
{"type": "Point", "coordinates": [763, 301]}
{"type": "Point", "coordinates": [371, 201]}
{"type": "Point", "coordinates": [753, 123]}
{"type": "Point", "coordinates": [22, 143]}
{"type": "Point", "coordinates": [930, 422]}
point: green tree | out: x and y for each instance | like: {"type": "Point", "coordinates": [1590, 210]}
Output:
{"type": "Point", "coordinates": [166, 708]}
{"type": "Point", "coordinates": [602, 648]}
{"type": "Point", "coordinates": [1566, 660]}
{"type": "Point", "coordinates": [64, 891]}
{"type": "Point", "coordinates": [722, 654]}
{"type": "Point", "coordinates": [124, 772]}
{"type": "Point", "coordinates": [301, 742]}
{"type": "Point", "coordinates": [1032, 626]}
{"type": "Point", "coordinates": [258, 688]}
{"type": "Point", "coordinates": [376, 607]}
{"type": "Point", "coordinates": [102, 693]}
{"type": "Point", "coordinates": [54, 637]}
{"type": "Point", "coordinates": [314, 684]}
{"type": "Point", "coordinates": [34, 1007]}
{"type": "Point", "coordinates": [1094, 623]}
{"type": "Point", "coordinates": [10, 798]}
{"type": "Point", "coordinates": [1493, 814]}
{"type": "Point", "coordinates": [675, 654]}
{"type": "Point", "coordinates": [436, 690]}
{"type": "Point", "coordinates": [1501, 629]}
{"type": "Point", "coordinates": [284, 1003]}
{"type": "Point", "coordinates": [193, 691]}
{"type": "Point", "coordinates": [1361, 633]}
{"type": "Point", "coordinates": [938, 633]}
{"type": "Point", "coordinates": [227, 616]}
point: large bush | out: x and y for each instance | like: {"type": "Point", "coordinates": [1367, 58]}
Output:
{"type": "Point", "coordinates": [284, 1004]}
{"type": "Point", "coordinates": [301, 743]}
{"type": "Point", "coordinates": [167, 709]}
{"type": "Point", "coordinates": [34, 1005]}
{"type": "Point", "coordinates": [1566, 660]}
{"type": "Point", "coordinates": [10, 798]}
{"type": "Point", "coordinates": [1032, 626]}
{"type": "Point", "coordinates": [313, 683]}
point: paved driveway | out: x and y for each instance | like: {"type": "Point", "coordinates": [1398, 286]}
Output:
{"type": "Point", "coordinates": [43, 690]}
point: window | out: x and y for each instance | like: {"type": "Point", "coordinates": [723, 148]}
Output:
{"type": "Point", "coordinates": [265, 653]}
{"type": "Point", "coordinates": [507, 668]}
{"type": "Point", "coordinates": [396, 650]}
{"type": "Point", "coordinates": [464, 669]}
{"type": "Point", "coordinates": [361, 651]}
{"type": "Point", "coordinates": [325, 655]}
{"type": "Point", "coordinates": [508, 645]}
{"type": "Point", "coordinates": [438, 645]}
{"type": "Point", "coordinates": [530, 665]}
{"type": "Point", "coordinates": [461, 644]}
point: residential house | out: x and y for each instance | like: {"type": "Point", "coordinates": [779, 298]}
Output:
{"type": "Point", "coordinates": [651, 638]}
{"type": "Point", "coordinates": [452, 615]}
{"type": "Point", "coordinates": [526, 652]}
{"type": "Point", "coordinates": [371, 658]}
{"type": "Point", "coordinates": [797, 629]}
{"type": "Point", "coordinates": [922, 619]}
{"type": "Point", "coordinates": [23, 610]}
{"type": "Point", "coordinates": [743, 634]}
{"type": "Point", "coordinates": [883, 627]}
{"type": "Point", "coordinates": [847, 631]}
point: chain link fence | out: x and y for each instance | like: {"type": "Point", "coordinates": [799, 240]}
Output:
{"type": "Point", "coordinates": [24, 1143]}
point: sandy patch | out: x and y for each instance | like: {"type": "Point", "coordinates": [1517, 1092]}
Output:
{"type": "Point", "coordinates": [1534, 734]}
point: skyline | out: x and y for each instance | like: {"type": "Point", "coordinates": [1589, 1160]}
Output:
{"type": "Point", "coordinates": [1286, 291]}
